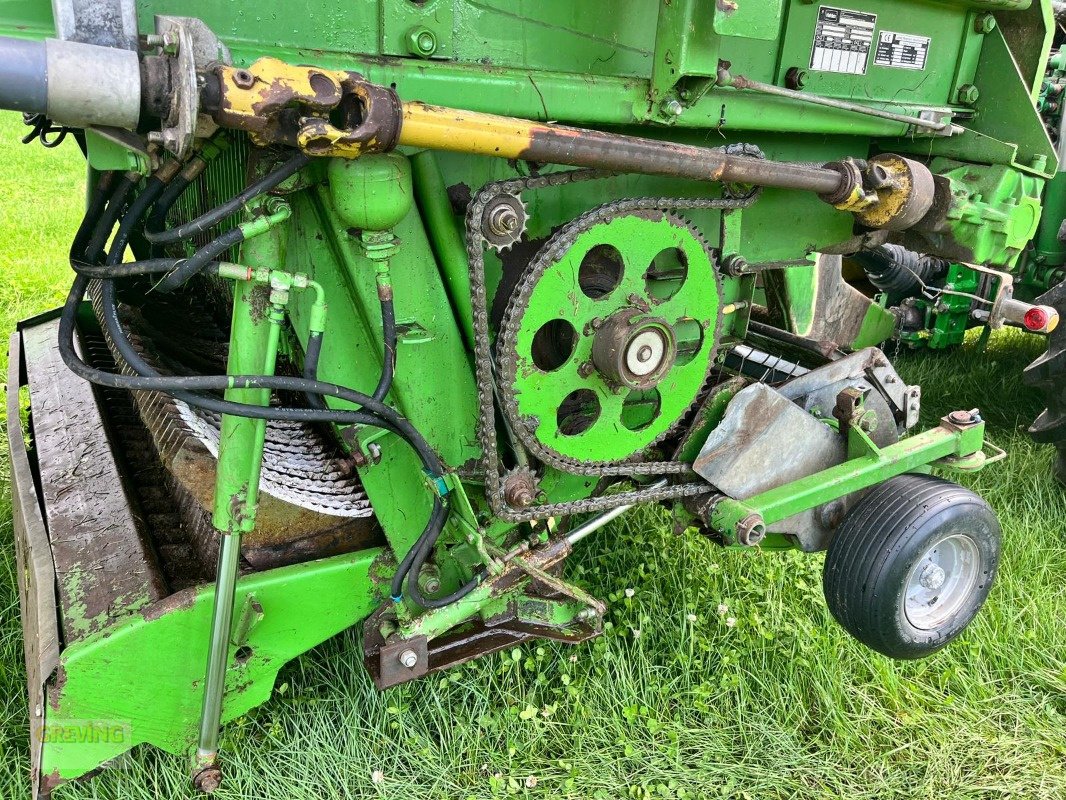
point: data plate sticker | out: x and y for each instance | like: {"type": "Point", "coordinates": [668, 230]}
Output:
{"type": "Point", "coordinates": [842, 40]}
{"type": "Point", "coordinates": [901, 50]}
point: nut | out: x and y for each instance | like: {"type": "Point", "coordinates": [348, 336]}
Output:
{"type": "Point", "coordinates": [409, 658]}
{"type": "Point", "coordinates": [208, 780]}
{"type": "Point", "coordinates": [968, 94]}
{"type": "Point", "coordinates": [243, 79]}
{"type": "Point", "coordinates": [751, 530]}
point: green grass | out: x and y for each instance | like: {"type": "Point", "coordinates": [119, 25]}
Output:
{"type": "Point", "coordinates": [767, 699]}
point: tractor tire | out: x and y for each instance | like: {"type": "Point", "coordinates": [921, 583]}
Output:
{"type": "Point", "coordinates": [1048, 373]}
{"type": "Point", "coordinates": [911, 565]}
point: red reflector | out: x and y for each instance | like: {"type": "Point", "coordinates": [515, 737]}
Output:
{"type": "Point", "coordinates": [1035, 319]}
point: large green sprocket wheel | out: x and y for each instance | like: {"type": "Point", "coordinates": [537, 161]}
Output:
{"type": "Point", "coordinates": [653, 265]}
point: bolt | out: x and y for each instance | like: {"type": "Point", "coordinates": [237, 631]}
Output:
{"type": "Point", "coordinates": [795, 78]}
{"type": "Point", "coordinates": [208, 780]}
{"type": "Point", "coordinates": [421, 42]}
{"type": "Point", "coordinates": [374, 451]}
{"type": "Point", "coordinates": [503, 220]}
{"type": "Point", "coordinates": [409, 658]}
{"type": "Point", "coordinates": [735, 264]}
{"type": "Point", "coordinates": [932, 577]}
{"type": "Point", "coordinates": [671, 108]}
{"type": "Point", "coordinates": [961, 418]}
{"type": "Point", "coordinates": [429, 579]}
{"type": "Point", "coordinates": [243, 79]}
{"type": "Point", "coordinates": [984, 23]}
{"type": "Point", "coordinates": [596, 323]}
{"type": "Point", "coordinates": [751, 530]}
{"type": "Point", "coordinates": [868, 422]}
{"type": "Point", "coordinates": [519, 494]}
{"type": "Point", "coordinates": [586, 369]}
{"type": "Point", "coordinates": [643, 354]}
{"type": "Point", "coordinates": [968, 94]}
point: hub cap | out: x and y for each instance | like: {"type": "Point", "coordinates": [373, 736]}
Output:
{"type": "Point", "coordinates": [941, 582]}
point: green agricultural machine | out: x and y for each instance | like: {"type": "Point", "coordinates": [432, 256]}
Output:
{"type": "Point", "coordinates": [380, 308]}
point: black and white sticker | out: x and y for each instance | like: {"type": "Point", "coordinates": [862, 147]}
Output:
{"type": "Point", "coordinates": [902, 50]}
{"type": "Point", "coordinates": [842, 40]}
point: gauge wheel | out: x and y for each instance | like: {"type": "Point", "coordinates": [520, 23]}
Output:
{"type": "Point", "coordinates": [911, 565]}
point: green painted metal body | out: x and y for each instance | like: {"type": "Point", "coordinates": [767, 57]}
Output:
{"type": "Point", "coordinates": [145, 673]}
{"type": "Point", "coordinates": [947, 318]}
{"type": "Point", "coordinates": [867, 465]}
{"type": "Point", "coordinates": [647, 68]}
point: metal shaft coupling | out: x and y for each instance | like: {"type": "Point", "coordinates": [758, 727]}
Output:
{"type": "Point", "coordinates": [323, 112]}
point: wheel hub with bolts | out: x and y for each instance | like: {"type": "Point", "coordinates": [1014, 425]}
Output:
{"type": "Point", "coordinates": [609, 336]}
{"type": "Point", "coordinates": [941, 582]}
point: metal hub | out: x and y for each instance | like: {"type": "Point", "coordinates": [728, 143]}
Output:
{"type": "Point", "coordinates": [634, 351]}
{"type": "Point", "coordinates": [504, 222]}
{"type": "Point", "coordinates": [608, 337]}
{"type": "Point", "coordinates": [941, 582]}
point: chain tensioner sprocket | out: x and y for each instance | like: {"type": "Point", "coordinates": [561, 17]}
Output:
{"type": "Point", "coordinates": [609, 336]}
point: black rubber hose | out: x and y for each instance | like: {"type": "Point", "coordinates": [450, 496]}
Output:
{"type": "Point", "coordinates": [416, 567]}
{"type": "Point", "coordinates": [130, 269]}
{"type": "Point", "coordinates": [416, 555]}
{"type": "Point", "coordinates": [115, 206]}
{"type": "Point", "coordinates": [437, 516]}
{"type": "Point", "coordinates": [311, 356]}
{"type": "Point", "coordinates": [388, 366]}
{"type": "Point", "coordinates": [231, 206]}
{"type": "Point", "coordinates": [194, 264]}
{"type": "Point", "coordinates": [157, 220]}
{"type": "Point", "coordinates": [93, 213]}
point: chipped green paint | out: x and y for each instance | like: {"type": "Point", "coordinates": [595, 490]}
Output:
{"type": "Point", "coordinates": [146, 670]}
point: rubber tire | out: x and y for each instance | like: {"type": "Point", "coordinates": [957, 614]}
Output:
{"type": "Point", "coordinates": [880, 539]}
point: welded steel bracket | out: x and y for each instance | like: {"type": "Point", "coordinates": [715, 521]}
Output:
{"type": "Point", "coordinates": [527, 600]}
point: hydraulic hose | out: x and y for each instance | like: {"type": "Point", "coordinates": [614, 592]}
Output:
{"type": "Point", "coordinates": [388, 332]}
{"type": "Point", "coordinates": [147, 377]}
{"type": "Point", "coordinates": [231, 206]}
{"type": "Point", "coordinates": [194, 264]}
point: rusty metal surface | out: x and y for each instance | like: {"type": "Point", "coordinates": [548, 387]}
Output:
{"type": "Point", "coordinates": [472, 640]}
{"type": "Point", "coordinates": [765, 441]}
{"type": "Point", "coordinates": [105, 566]}
{"type": "Point", "coordinates": [35, 570]}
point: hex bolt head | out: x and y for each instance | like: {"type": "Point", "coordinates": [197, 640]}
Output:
{"type": "Point", "coordinates": [421, 42]}
{"type": "Point", "coordinates": [968, 94]}
{"type": "Point", "coordinates": [409, 658]}
{"type": "Point", "coordinates": [671, 108]}
{"type": "Point", "coordinates": [984, 23]}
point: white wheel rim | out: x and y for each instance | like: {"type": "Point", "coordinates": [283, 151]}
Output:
{"type": "Point", "coordinates": [941, 582]}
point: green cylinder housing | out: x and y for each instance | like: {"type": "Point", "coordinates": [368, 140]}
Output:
{"type": "Point", "coordinates": [371, 193]}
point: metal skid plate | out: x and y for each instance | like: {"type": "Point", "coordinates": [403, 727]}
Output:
{"type": "Point", "coordinates": [770, 437]}
{"type": "Point", "coordinates": [36, 573]}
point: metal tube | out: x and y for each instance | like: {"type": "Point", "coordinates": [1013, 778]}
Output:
{"type": "Point", "coordinates": [593, 525]}
{"type": "Point", "coordinates": [444, 237]}
{"type": "Point", "coordinates": [253, 350]}
{"type": "Point", "coordinates": [746, 84]}
{"type": "Point", "coordinates": [23, 76]}
{"type": "Point", "coordinates": [437, 128]}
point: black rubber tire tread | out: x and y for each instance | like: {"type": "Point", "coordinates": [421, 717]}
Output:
{"type": "Point", "coordinates": [1048, 373]}
{"type": "Point", "coordinates": [875, 546]}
